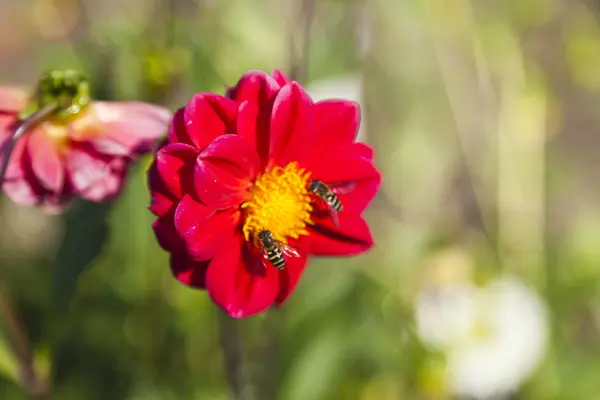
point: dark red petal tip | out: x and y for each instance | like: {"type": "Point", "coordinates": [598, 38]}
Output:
{"type": "Point", "coordinates": [175, 163]}
{"type": "Point", "coordinates": [177, 130]}
{"type": "Point", "coordinates": [352, 237]}
{"type": "Point", "coordinates": [189, 272]}
{"type": "Point", "coordinates": [161, 200]}
{"type": "Point", "coordinates": [166, 234]}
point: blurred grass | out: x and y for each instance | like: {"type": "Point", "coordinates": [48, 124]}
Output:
{"type": "Point", "coordinates": [484, 119]}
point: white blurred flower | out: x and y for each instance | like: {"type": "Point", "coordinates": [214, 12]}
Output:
{"type": "Point", "coordinates": [493, 337]}
{"type": "Point", "coordinates": [349, 87]}
{"type": "Point", "coordinates": [445, 317]}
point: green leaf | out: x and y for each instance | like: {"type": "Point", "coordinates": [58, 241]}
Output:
{"type": "Point", "coordinates": [86, 233]}
{"type": "Point", "coordinates": [9, 366]}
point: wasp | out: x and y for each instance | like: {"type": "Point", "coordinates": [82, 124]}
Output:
{"type": "Point", "coordinates": [274, 250]}
{"type": "Point", "coordinates": [328, 195]}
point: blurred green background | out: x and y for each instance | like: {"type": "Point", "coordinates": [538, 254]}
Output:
{"type": "Point", "coordinates": [484, 117]}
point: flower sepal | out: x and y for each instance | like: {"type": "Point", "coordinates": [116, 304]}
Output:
{"type": "Point", "coordinates": [68, 90]}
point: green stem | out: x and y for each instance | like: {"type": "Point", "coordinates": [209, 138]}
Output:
{"type": "Point", "coordinates": [267, 353]}
{"type": "Point", "coordinates": [299, 62]}
{"type": "Point", "coordinates": [34, 384]}
{"type": "Point", "coordinates": [230, 336]}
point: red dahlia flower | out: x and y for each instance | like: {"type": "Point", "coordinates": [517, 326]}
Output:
{"type": "Point", "coordinates": [235, 166]}
{"type": "Point", "coordinates": [82, 151]}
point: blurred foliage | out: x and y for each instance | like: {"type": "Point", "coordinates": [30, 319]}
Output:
{"type": "Point", "coordinates": [484, 118]}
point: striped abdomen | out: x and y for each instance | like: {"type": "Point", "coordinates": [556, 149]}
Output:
{"type": "Point", "coordinates": [275, 257]}
{"type": "Point", "coordinates": [334, 202]}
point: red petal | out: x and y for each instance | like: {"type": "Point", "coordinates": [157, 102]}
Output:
{"type": "Point", "coordinates": [20, 183]}
{"type": "Point", "coordinates": [161, 200]}
{"type": "Point", "coordinates": [239, 283]}
{"type": "Point", "coordinates": [253, 125]}
{"type": "Point", "coordinates": [255, 86]}
{"type": "Point", "coordinates": [189, 272]}
{"type": "Point", "coordinates": [361, 195]}
{"type": "Point", "coordinates": [235, 151]}
{"type": "Point", "coordinates": [223, 171]}
{"type": "Point", "coordinates": [7, 125]}
{"type": "Point", "coordinates": [189, 213]}
{"type": "Point", "coordinates": [351, 238]}
{"type": "Point", "coordinates": [94, 176]}
{"type": "Point", "coordinates": [363, 150]}
{"type": "Point", "coordinates": [203, 231]}
{"type": "Point", "coordinates": [121, 128]}
{"type": "Point", "coordinates": [280, 77]}
{"type": "Point", "coordinates": [166, 234]}
{"type": "Point", "coordinates": [259, 90]}
{"type": "Point", "coordinates": [208, 116]}
{"type": "Point", "coordinates": [292, 133]}
{"type": "Point", "coordinates": [208, 238]}
{"type": "Point", "coordinates": [336, 125]}
{"type": "Point", "coordinates": [175, 163]}
{"type": "Point", "coordinates": [12, 99]}
{"type": "Point", "coordinates": [21, 191]}
{"type": "Point", "coordinates": [177, 130]}
{"type": "Point", "coordinates": [47, 163]}
{"type": "Point", "coordinates": [55, 205]}
{"type": "Point", "coordinates": [350, 169]}
{"type": "Point", "coordinates": [289, 277]}
{"type": "Point", "coordinates": [247, 118]}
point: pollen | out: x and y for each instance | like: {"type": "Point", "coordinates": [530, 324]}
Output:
{"type": "Point", "coordinates": [278, 201]}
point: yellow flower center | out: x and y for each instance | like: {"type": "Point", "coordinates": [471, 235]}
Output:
{"type": "Point", "coordinates": [279, 202]}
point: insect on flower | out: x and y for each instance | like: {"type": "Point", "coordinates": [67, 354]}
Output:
{"type": "Point", "coordinates": [231, 189]}
{"type": "Point", "coordinates": [273, 250]}
{"type": "Point", "coordinates": [328, 195]}
{"type": "Point", "coordinates": [57, 143]}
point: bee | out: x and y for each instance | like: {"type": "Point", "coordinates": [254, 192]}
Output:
{"type": "Point", "coordinates": [274, 250]}
{"type": "Point", "coordinates": [330, 198]}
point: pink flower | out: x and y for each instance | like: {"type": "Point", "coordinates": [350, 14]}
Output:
{"type": "Point", "coordinates": [236, 166]}
{"type": "Point", "coordinates": [84, 156]}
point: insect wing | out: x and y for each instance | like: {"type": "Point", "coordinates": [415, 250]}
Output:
{"type": "Point", "coordinates": [288, 251]}
{"type": "Point", "coordinates": [343, 188]}
{"type": "Point", "coordinates": [334, 216]}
